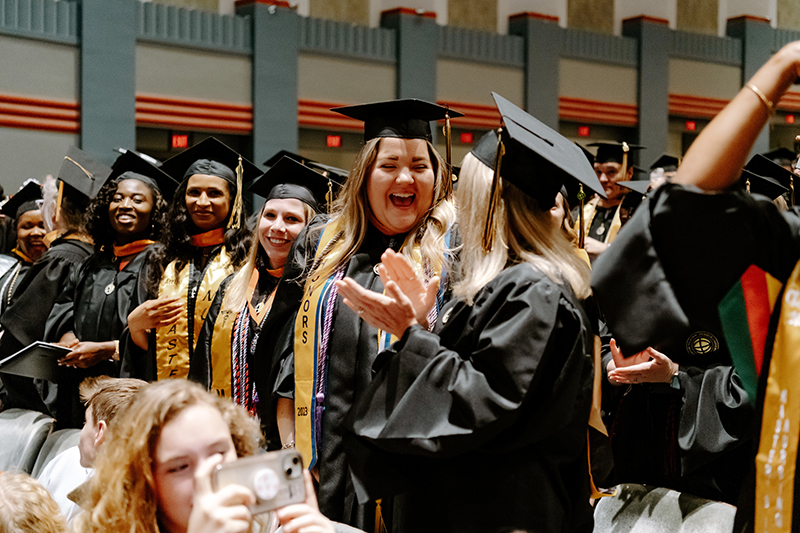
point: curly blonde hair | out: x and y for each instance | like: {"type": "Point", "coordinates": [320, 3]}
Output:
{"type": "Point", "coordinates": [27, 507]}
{"type": "Point", "coordinates": [351, 212]}
{"type": "Point", "coordinates": [122, 494]}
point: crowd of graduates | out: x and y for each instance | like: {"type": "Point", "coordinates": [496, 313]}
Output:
{"type": "Point", "coordinates": [486, 347]}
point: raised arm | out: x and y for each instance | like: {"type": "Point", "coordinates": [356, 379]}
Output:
{"type": "Point", "coordinates": [715, 159]}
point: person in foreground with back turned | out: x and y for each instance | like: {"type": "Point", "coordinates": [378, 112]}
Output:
{"type": "Point", "coordinates": [734, 239]}
{"type": "Point", "coordinates": [481, 425]}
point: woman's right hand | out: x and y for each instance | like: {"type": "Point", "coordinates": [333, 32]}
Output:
{"type": "Point", "coordinates": [304, 517]}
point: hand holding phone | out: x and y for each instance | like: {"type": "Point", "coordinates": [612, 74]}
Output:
{"type": "Point", "coordinates": [275, 478]}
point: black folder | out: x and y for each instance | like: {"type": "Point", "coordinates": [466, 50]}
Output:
{"type": "Point", "coordinates": [38, 360]}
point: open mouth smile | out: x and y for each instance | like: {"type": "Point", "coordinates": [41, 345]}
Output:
{"type": "Point", "coordinates": [402, 200]}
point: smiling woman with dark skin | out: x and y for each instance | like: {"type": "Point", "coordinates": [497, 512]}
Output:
{"type": "Point", "coordinates": [206, 241]}
{"type": "Point", "coordinates": [124, 220]}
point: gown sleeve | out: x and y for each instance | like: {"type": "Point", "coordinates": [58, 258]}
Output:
{"type": "Point", "coordinates": [61, 319]}
{"type": "Point", "coordinates": [659, 285]}
{"type": "Point", "coordinates": [429, 398]}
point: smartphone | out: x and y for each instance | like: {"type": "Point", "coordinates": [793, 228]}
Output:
{"type": "Point", "coordinates": [276, 478]}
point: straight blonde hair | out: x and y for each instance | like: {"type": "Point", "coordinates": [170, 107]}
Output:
{"type": "Point", "coordinates": [523, 232]}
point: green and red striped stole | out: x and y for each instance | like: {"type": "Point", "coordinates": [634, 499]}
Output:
{"type": "Point", "coordinates": [745, 312]}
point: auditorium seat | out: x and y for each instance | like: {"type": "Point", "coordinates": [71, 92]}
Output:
{"type": "Point", "coordinates": [57, 442]}
{"type": "Point", "coordinates": [23, 434]}
{"type": "Point", "coordinates": [646, 509]}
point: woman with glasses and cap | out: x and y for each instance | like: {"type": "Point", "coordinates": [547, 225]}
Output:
{"type": "Point", "coordinates": [240, 313]}
{"type": "Point", "coordinates": [124, 220]}
{"type": "Point", "coordinates": [481, 424]}
{"type": "Point", "coordinates": [204, 242]}
{"type": "Point", "coordinates": [396, 196]}
{"type": "Point", "coordinates": [34, 295]}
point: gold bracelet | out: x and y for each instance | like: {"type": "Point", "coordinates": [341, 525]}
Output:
{"type": "Point", "coordinates": [762, 97]}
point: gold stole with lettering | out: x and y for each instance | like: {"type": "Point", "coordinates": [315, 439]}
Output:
{"type": "Point", "coordinates": [173, 348]}
{"type": "Point", "coordinates": [589, 210]}
{"type": "Point", "coordinates": [777, 450]}
{"type": "Point", "coordinates": [308, 334]}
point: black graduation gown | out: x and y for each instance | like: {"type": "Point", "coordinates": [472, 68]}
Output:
{"type": "Point", "coordinates": [93, 312]}
{"type": "Point", "coordinates": [659, 285]}
{"type": "Point", "coordinates": [24, 322]}
{"type": "Point", "coordinates": [353, 346]}
{"type": "Point", "coordinates": [481, 425]}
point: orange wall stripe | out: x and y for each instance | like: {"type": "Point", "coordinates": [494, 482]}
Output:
{"type": "Point", "coordinates": [790, 101]}
{"type": "Point", "coordinates": [593, 111]}
{"type": "Point", "coordinates": [686, 105]}
{"type": "Point", "coordinates": [35, 113]}
{"type": "Point", "coordinates": [157, 110]}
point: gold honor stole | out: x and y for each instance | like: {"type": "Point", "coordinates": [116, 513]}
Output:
{"type": "Point", "coordinates": [173, 348]}
{"type": "Point", "coordinates": [307, 340]}
{"type": "Point", "coordinates": [777, 450]}
{"type": "Point", "coordinates": [589, 210]}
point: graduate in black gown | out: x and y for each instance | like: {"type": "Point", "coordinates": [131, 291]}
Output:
{"type": "Point", "coordinates": [124, 220]}
{"type": "Point", "coordinates": [23, 322]}
{"type": "Point", "coordinates": [24, 208]}
{"type": "Point", "coordinates": [240, 313]}
{"type": "Point", "coordinates": [481, 424]}
{"type": "Point", "coordinates": [689, 245]}
{"type": "Point", "coordinates": [396, 196]}
{"type": "Point", "coordinates": [205, 240]}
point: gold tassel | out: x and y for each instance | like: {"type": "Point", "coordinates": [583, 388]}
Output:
{"type": "Point", "coordinates": [236, 213]}
{"type": "Point", "coordinates": [624, 169]}
{"type": "Point", "coordinates": [581, 222]}
{"type": "Point", "coordinates": [747, 185]}
{"type": "Point", "coordinates": [58, 200]}
{"type": "Point", "coordinates": [448, 175]}
{"type": "Point", "coordinates": [329, 194]}
{"type": "Point", "coordinates": [494, 199]}
{"type": "Point", "coordinates": [791, 188]}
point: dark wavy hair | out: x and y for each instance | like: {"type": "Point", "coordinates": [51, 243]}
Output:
{"type": "Point", "coordinates": [177, 235]}
{"type": "Point", "coordinates": [98, 224]}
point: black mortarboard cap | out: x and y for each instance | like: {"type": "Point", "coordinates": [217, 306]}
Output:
{"type": "Point", "coordinates": [765, 167]}
{"type": "Point", "coordinates": [286, 153]}
{"type": "Point", "coordinates": [589, 155]}
{"type": "Point", "coordinates": [132, 165]}
{"type": "Point", "coordinates": [407, 119]}
{"type": "Point", "coordinates": [212, 157]}
{"type": "Point", "coordinates": [611, 151]}
{"type": "Point", "coordinates": [538, 159]}
{"type": "Point", "coordinates": [763, 185]}
{"type": "Point", "coordinates": [781, 156]}
{"type": "Point", "coordinates": [290, 179]}
{"type": "Point", "coordinates": [668, 162]}
{"type": "Point", "coordinates": [485, 150]}
{"type": "Point", "coordinates": [640, 186]}
{"type": "Point", "coordinates": [83, 173]}
{"type": "Point", "coordinates": [23, 200]}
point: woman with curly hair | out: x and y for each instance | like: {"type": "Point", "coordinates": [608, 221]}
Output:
{"type": "Point", "coordinates": [155, 475]}
{"type": "Point", "coordinates": [205, 241]}
{"type": "Point", "coordinates": [27, 507]}
{"type": "Point", "coordinates": [124, 220]}
{"type": "Point", "coordinates": [396, 196]}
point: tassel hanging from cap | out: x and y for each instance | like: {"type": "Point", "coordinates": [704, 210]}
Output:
{"type": "Point", "coordinates": [581, 221]}
{"type": "Point", "coordinates": [494, 198]}
{"type": "Point", "coordinates": [448, 174]}
{"type": "Point", "coordinates": [329, 194]}
{"type": "Point", "coordinates": [236, 212]}
{"type": "Point", "coordinates": [747, 185]}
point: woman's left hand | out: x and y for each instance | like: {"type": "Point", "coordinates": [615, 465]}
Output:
{"type": "Point", "coordinates": [648, 366]}
{"type": "Point", "coordinates": [391, 312]}
{"type": "Point", "coordinates": [86, 354]}
{"type": "Point", "coordinates": [225, 510]}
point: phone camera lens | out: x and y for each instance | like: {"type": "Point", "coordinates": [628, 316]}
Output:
{"type": "Point", "coordinates": [295, 460]}
{"type": "Point", "coordinates": [289, 472]}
